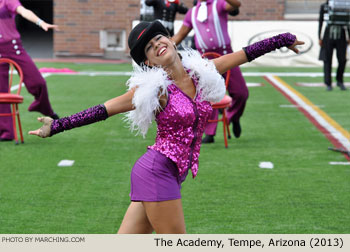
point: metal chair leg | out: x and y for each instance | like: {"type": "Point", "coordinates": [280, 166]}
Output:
{"type": "Point", "coordinates": [19, 124]}
{"type": "Point", "coordinates": [225, 127]}
{"type": "Point", "coordinates": [14, 123]}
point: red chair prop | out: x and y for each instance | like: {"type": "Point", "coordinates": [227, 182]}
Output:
{"type": "Point", "coordinates": [13, 99]}
{"type": "Point", "coordinates": [224, 103]}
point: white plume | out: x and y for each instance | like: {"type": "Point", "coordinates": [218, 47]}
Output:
{"type": "Point", "coordinates": [150, 84]}
{"type": "Point", "coordinates": [211, 84]}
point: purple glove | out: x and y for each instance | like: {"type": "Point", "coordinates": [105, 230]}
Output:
{"type": "Point", "coordinates": [85, 117]}
{"type": "Point", "coordinates": [267, 45]}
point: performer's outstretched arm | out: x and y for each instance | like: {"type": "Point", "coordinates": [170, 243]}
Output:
{"type": "Point", "coordinates": [30, 16]}
{"type": "Point", "coordinates": [94, 114]}
{"type": "Point", "coordinates": [251, 52]}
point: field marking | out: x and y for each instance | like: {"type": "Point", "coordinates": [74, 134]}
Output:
{"type": "Point", "coordinates": [65, 163]}
{"type": "Point", "coordinates": [45, 75]}
{"type": "Point", "coordinates": [266, 165]}
{"type": "Point", "coordinates": [122, 73]}
{"type": "Point", "coordinates": [330, 128]}
{"type": "Point", "coordinates": [288, 74]}
{"type": "Point", "coordinates": [339, 163]}
{"type": "Point", "coordinates": [318, 84]}
{"type": "Point", "coordinates": [15, 87]}
{"type": "Point", "coordinates": [91, 73]}
{"type": "Point", "coordinates": [250, 74]}
{"type": "Point", "coordinates": [296, 106]}
{"type": "Point", "coordinates": [254, 84]}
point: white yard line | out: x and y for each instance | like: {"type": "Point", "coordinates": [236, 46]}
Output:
{"type": "Point", "coordinates": [119, 73]}
{"type": "Point", "coordinates": [92, 73]}
{"type": "Point", "coordinates": [339, 163]}
{"type": "Point", "coordinates": [296, 74]}
{"type": "Point", "coordinates": [15, 87]}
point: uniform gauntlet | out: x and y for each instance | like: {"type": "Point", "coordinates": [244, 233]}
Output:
{"type": "Point", "coordinates": [267, 45]}
{"type": "Point", "coordinates": [88, 116]}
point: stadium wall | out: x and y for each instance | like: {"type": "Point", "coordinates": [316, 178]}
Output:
{"type": "Point", "coordinates": [86, 25]}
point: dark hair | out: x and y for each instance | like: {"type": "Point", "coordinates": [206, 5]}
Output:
{"type": "Point", "coordinates": [141, 35]}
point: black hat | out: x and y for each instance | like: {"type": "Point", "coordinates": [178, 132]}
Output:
{"type": "Point", "coordinates": [141, 35]}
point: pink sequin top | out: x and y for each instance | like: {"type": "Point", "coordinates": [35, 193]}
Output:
{"type": "Point", "coordinates": [180, 128]}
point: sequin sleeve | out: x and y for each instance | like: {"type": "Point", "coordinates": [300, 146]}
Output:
{"type": "Point", "coordinates": [88, 116]}
{"type": "Point", "coordinates": [267, 45]}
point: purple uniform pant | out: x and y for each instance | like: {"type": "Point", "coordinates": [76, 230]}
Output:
{"type": "Point", "coordinates": [238, 91]}
{"type": "Point", "coordinates": [33, 80]}
{"type": "Point", "coordinates": [155, 177]}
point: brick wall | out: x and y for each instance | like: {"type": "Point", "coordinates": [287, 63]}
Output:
{"type": "Point", "coordinates": [256, 9]}
{"type": "Point", "coordinates": [81, 20]}
{"type": "Point", "coordinates": [262, 10]}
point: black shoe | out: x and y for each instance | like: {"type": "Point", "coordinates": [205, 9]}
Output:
{"type": "Point", "coordinates": [55, 116]}
{"type": "Point", "coordinates": [341, 86]}
{"type": "Point", "coordinates": [236, 127]}
{"type": "Point", "coordinates": [208, 139]}
{"type": "Point", "coordinates": [329, 88]}
{"type": "Point", "coordinates": [5, 140]}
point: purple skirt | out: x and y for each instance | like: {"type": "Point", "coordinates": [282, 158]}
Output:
{"type": "Point", "coordinates": [155, 177]}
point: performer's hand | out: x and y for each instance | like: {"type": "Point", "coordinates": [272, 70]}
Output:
{"type": "Point", "coordinates": [320, 42]}
{"type": "Point", "coordinates": [45, 26]}
{"type": "Point", "coordinates": [296, 43]}
{"type": "Point", "coordinates": [44, 131]}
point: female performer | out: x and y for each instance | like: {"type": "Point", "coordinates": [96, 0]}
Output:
{"type": "Point", "coordinates": [175, 89]}
{"type": "Point", "coordinates": [11, 48]}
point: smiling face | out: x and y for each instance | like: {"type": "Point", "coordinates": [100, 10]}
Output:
{"type": "Point", "coordinates": [160, 51]}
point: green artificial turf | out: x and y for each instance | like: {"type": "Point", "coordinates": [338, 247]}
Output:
{"type": "Point", "coordinates": [303, 193]}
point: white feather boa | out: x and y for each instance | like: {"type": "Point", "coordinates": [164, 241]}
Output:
{"type": "Point", "coordinates": [151, 83]}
